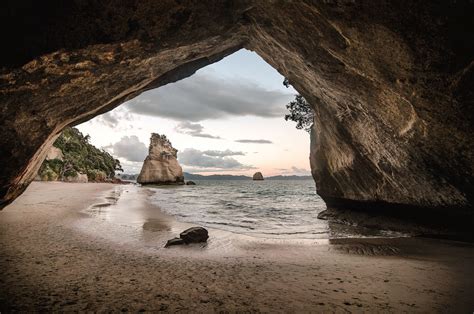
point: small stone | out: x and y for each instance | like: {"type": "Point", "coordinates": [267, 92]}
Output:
{"type": "Point", "coordinates": [194, 235]}
{"type": "Point", "coordinates": [190, 183]}
{"type": "Point", "coordinates": [174, 241]}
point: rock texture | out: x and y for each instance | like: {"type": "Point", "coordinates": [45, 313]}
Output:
{"type": "Point", "coordinates": [161, 165]}
{"type": "Point", "coordinates": [257, 176]}
{"type": "Point", "coordinates": [390, 82]}
{"type": "Point", "coordinates": [174, 241]}
{"type": "Point", "coordinates": [80, 178]}
{"type": "Point", "coordinates": [190, 235]}
{"type": "Point", "coordinates": [54, 153]}
{"type": "Point", "coordinates": [194, 235]}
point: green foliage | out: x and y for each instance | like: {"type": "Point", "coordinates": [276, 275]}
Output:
{"type": "Point", "coordinates": [300, 111]}
{"type": "Point", "coordinates": [79, 157]}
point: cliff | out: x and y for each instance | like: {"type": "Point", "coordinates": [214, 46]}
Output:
{"type": "Point", "coordinates": [161, 165]}
{"type": "Point", "coordinates": [390, 83]}
{"type": "Point", "coordinates": [73, 159]}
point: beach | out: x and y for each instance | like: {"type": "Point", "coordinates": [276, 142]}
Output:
{"type": "Point", "coordinates": [68, 247]}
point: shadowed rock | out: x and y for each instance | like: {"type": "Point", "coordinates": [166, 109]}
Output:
{"type": "Point", "coordinates": [390, 83]}
{"type": "Point", "coordinates": [191, 235]}
{"type": "Point", "coordinates": [190, 183]}
{"type": "Point", "coordinates": [194, 235]}
{"type": "Point", "coordinates": [257, 176]}
{"type": "Point", "coordinates": [174, 241]}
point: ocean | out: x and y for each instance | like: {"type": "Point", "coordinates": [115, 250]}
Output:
{"type": "Point", "coordinates": [270, 208]}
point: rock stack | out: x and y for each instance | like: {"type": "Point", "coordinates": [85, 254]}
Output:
{"type": "Point", "coordinates": [161, 165]}
{"type": "Point", "coordinates": [257, 176]}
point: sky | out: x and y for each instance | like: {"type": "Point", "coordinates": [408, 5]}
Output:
{"type": "Point", "coordinates": [227, 118]}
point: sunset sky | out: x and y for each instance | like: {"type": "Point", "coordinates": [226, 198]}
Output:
{"type": "Point", "coordinates": [226, 118]}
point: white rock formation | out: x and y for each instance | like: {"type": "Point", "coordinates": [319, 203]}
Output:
{"type": "Point", "coordinates": [54, 153]}
{"type": "Point", "coordinates": [80, 178]}
{"type": "Point", "coordinates": [161, 165]}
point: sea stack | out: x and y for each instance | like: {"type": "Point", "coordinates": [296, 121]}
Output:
{"type": "Point", "coordinates": [161, 165]}
{"type": "Point", "coordinates": [257, 176]}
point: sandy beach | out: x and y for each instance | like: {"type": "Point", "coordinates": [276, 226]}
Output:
{"type": "Point", "coordinates": [84, 247]}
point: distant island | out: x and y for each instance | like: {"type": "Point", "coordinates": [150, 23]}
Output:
{"type": "Point", "coordinates": [191, 176]}
{"type": "Point", "coordinates": [292, 177]}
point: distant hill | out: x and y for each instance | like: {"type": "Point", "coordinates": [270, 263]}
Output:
{"type": "Point", "coordinates": [290, 178]}
{"type": "Point", "coordinates": [190, 176]}
{"type": "Point", "coordinates": [127, 177]}
{"type": "Point", "coordinates": [73, 158]}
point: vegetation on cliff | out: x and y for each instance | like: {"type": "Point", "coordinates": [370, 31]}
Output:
{"type": "Point", "coordinates": [79, 156]}
{"type": "Point", "coordinates": [300, 111]}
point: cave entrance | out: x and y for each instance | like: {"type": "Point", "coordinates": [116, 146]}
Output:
{"type": "Point", "coordinates": [227, 122]}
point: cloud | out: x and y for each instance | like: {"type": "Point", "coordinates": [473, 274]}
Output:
{"type": "Point", "coordinates": [112, 118]}
{"type": "Point", "coordinates": [193, 129]}
{"type": "Point", "coordinates": [300, 170]}
{"type": "Point", "coordinates": [129, 148]}
{"type": "Point", "coordinates": [254, 141]}
{"type": "Point", "coordinates": [294, 171]}
{"type": "Point", "coordinates": [196, 158]}
{"type": "Point", "coordinates": [109, 119]}
{"type": "Point", "coordinates": [223, 153]}
{"type": "Point", "coordinates": [131, 167]}
{"type": "Point", "coordinates": [207, 96]}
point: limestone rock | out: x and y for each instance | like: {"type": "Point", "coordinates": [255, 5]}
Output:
{"type": "Point", "coordinates": [80, 178]}
{"type": "Point", "coordinates": [257, 176]}
{"type": "Point", "coordinates": [54, 153]}
{"type": "Point", "coordinates": [161, 165]}
{"type": "Point", "coordinates": [194, 235]}
{"type": "Point", "coordinates": [390, 83]}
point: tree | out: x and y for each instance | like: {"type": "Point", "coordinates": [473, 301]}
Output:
{"type": "Point", "coordinates": [300, 111]}
{"type": "Point", "coordinates": [79, 156]}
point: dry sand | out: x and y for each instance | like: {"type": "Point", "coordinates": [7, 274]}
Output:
{"type": "Point", "coordinates": [79, 247]}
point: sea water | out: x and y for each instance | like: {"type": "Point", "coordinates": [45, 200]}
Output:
{"type": "Point", "coordinates": [270, 208]}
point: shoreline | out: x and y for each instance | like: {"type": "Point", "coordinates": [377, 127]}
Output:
{"type": "Point", "coordinates": [63, 248]}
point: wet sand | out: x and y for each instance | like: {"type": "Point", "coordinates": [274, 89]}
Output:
{"type": "Point", "coordinates": [76, 247]}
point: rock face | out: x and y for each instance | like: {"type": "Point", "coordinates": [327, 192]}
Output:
{"type": "Point", "coordinates": [257, 176]}
{"type": "Point", "coordinates": [80, 178]}
{"type": "Point", "coordinates": [390, 83]}
{"type": "Point", "coordinates": [161, 165]}
{"type": "Point", "coordinates": [54, 153]}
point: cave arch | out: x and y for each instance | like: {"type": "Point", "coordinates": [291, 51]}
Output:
{"type": "Point", "coordinates": [390, 82]}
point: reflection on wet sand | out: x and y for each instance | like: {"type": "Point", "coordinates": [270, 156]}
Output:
{"type": "Point", "coordinates": [156, 225]}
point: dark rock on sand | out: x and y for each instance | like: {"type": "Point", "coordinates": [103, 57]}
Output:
{"type": "Point", "coordinates": [190, 183]}
{"type": "Point", "coordinates": [194, 235]}
{"type": "Point", "coordinates": [258, 176]}
{"type": "Point", "coordinates": [174, 241]}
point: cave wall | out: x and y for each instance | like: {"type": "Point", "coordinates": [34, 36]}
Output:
{"type": "Point", "coordinates": [393, 124]}
{"type": "Point", "coordinates": [390, 82]}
